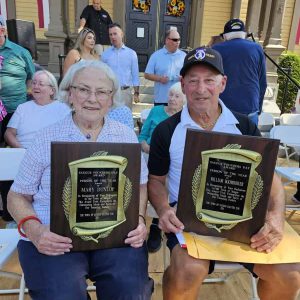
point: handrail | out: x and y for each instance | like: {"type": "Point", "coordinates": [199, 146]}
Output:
{"type": "Point", "coordinates": [278, 67]}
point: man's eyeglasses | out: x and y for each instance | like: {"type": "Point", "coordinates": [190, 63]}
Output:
{"type": "Point", "coordinates": [174, 40]}
{"type": "Point", "coordinates": [85, 93]}
{"type": "Point", "coordinates": [40, 84]}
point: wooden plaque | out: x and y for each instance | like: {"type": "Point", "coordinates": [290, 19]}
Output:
{"type": "Point", "coordinates": [95, 191]}
{"type": "Point", "coordinates": [225, 184]}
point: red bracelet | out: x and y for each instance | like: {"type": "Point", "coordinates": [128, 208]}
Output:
{"type": "Point", "coordinates": [21, 223]}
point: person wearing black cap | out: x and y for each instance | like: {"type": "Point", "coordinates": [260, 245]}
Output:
{"type": "Point", "coordinates": [202, 82]}
{"type": "Point", "coordinates": [245, 66]}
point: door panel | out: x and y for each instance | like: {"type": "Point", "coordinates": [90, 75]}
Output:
{"type": "Point", "coordinates": [180, 22]}
{"type": "Point", "coordinates": [145, 32]}
{"type": "Point", "coordinates": [140, 31]}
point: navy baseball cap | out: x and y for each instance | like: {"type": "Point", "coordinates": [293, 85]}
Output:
{"type": "Point", "coordinates": [203, 55]}
{"type": "Point", "coordinates": [2, 21]}
{"type": "Point", "coordinates": [234, 25]}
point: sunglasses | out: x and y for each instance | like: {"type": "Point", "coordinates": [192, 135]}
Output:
{"type": "Point", "coordinates": [174, 40]}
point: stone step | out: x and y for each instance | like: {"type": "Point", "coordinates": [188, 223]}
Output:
{"type": "Point", "coordinates": [145, 89]}
{"type": "Point", "coordinates": [138, 107]}
{"type": "Point", "coordinates": [146, 98]}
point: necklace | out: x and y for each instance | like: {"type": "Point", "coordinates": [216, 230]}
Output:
{"type": "Point", "coordinates": [212, 124]}
{"type": "Point", "coordinates": [89, 134]}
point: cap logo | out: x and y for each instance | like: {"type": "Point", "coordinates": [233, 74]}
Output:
{"type": "Point", "coordinates": [200, 54]}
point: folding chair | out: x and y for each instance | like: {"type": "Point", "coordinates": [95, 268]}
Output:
{"type": "Point", "coordinates": [230, 269]}
{"type": "Point", "coordinates": [266, 122]}
{"type": "Point", "coordinates": [292, 175]}
{"type": "Point", "coordinates": [290, 119]}
{"type": "Point", "coordinates": [289, 136]}
{"type": "Point", "coordinates": [10, 159]}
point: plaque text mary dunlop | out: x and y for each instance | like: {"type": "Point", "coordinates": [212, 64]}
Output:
{"type": "Point", "coordinates": [97, 194]}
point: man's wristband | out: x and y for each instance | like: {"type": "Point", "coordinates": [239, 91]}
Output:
{"type": "Point", "coordinates": [141, 216]}
{"type": "Point", "coordinates": [24, 220]}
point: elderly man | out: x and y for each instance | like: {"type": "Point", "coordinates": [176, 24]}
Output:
{"type": "Point", "coordinates": [245, 66]}
{"type": "Point", "coordinates": [124, 63]}
{"type": "Point", "coordinates": [164, 65]}
{"type": "Point", "coordinates": [96, 18]}
{"type": "Point", "coordinates": [202, 81]}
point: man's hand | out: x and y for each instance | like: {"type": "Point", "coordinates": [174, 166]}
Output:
{"type": "Point", "coordinates": [163, 79]}
{"type": "Point", "coordinates": [168, 221]}
{"type": "Point", "coordinates": [270, 235]}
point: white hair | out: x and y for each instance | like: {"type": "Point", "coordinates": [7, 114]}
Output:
{"type": "Point", "coordinates": [176, 88]}
{"type": "Point", "coordinates": [234, 35]}
{"type": "Point", "coordinates": [80, 66]}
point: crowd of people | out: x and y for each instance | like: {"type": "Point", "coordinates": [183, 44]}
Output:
{"type": "Point", "coordinates": [93, 104]}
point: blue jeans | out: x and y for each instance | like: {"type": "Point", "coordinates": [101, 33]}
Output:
{"type": "Point", "coordinates": [118, 273]}
{"type": "Point", "coordinates": [254, 117]}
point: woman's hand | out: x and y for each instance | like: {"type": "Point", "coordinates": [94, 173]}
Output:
{"type": "Point", "coordinates": [47, 242]}
{"type": "Point", "coordinates": [137, 236]}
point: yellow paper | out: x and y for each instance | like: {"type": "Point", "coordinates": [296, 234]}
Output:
{"type": "Point", "coordinates": [213, 248]}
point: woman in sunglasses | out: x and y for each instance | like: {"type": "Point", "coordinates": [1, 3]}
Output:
{"type": "Point", "coordinates": [84, 49]}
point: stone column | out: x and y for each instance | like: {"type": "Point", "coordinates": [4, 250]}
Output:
{"type": "Point", "coordinates": [272, 46]}
{"type": "Point", "coordinates": [273, 34]}
{"type": "Point", "coordinates": [79, 6]}
{"type": "Point", "coordinates": [264, 19]}
{"type": "Point", "coordinates": [252, 18]}
{"type": "Point", "coordinates": [236, 9]}
{"type": "Point", "coordinates": [56, 33]}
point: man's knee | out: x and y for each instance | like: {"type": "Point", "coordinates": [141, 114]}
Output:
{"type": "Point", "coordinates": [186, 269]}
{"type": "Point", "coordinates": [280, 274]}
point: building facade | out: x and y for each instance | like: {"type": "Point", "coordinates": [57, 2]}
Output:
{"type": "Point", "coordinates": [274, 23]}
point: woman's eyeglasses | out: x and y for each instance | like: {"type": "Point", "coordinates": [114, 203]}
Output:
{"type": "Point", "coordinates": [85, 93]}
{"type": "Point", "coordinates": [40, 84]}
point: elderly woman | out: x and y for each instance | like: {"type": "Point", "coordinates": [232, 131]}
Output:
{"type": "Point", "coordinates": [84, 49]}
{"type": "Point", "coordinates": [32, 116]}
{"type": "Point", "coordinates": [52, 270]}
{"type": "Point", "coordinates": [176, 100]}
{"type": "Point", "coordinates": [29, 118]}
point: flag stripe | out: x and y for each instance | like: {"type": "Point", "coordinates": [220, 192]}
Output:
{"type": "Point", "coordinates": [40, 13]}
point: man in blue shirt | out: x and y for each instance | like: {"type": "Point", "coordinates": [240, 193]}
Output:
{"type": "Point", "coordinates": [124, 62]}
{"type": "Point", "coordinates": [245, 67]}
{"type": "Point", "coordinates": [164, 66]}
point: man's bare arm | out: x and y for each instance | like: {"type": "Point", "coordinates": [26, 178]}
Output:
{"type": "Point", "coordinates": [270, 235]}
{"type": "Point", "coordinates": [158, 197]}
